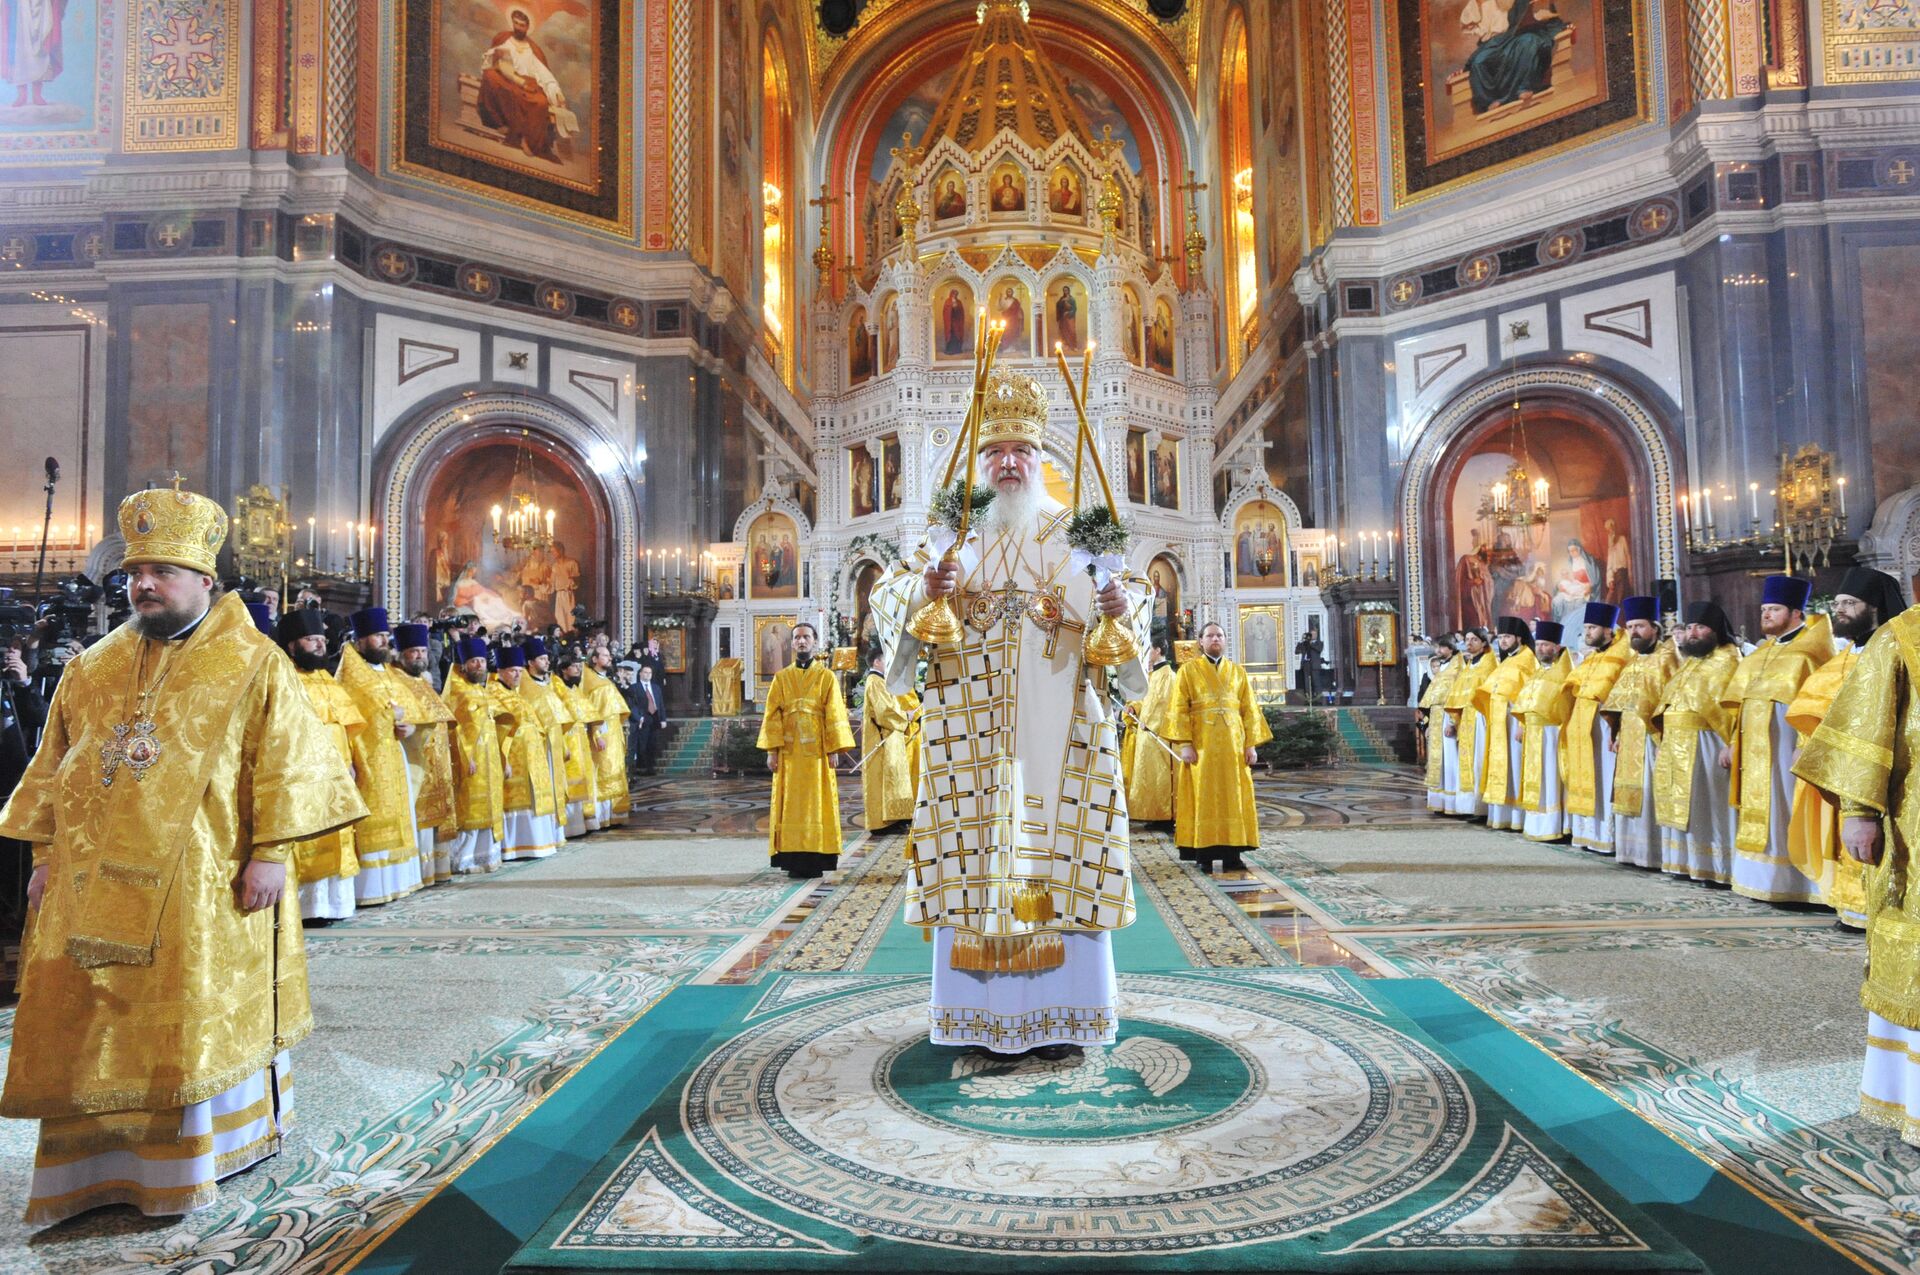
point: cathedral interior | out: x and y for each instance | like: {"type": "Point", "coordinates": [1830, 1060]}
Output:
{"type": "Point", "coordinates": [1389, 320]}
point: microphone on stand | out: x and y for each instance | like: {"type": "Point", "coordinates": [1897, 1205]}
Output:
{"type": "Point", "coordinates": [46, 526]}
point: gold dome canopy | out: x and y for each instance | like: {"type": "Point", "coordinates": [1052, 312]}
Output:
{"type": "Point", "coordinates": [1006, 82]}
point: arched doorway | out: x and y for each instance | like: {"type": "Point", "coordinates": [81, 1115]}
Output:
{"type": "Point", "coordinates": [1594, 545]}
{"type": "Point", "coordinates": [442, 479]}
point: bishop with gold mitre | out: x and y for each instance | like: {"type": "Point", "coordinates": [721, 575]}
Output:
{"type": "Point", "coordinates": [803, 726]}
{"type": "Point", "coordinates": [1018, 862]}
{"type": "Point", "coordinates": [164, 975]}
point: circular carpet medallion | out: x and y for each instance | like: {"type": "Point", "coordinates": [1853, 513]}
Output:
{"type": "Point", "coordinates": [1224, 1114]}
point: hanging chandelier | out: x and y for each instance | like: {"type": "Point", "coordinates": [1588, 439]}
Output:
{"type": "Point", "coordinates": [522, 525]}
{"type": "Point", "coordinates": [1517, 501]}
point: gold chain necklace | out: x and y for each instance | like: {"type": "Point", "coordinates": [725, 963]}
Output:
{"type": "Point", "coordinates": [134, 744]}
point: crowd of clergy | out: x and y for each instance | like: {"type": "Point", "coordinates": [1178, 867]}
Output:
{"type": "Point", "coordinates": [522, 749]}
{"type": "Point", "coordinates": [1769, 768]}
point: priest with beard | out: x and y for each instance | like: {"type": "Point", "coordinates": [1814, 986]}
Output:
{"type": "Point", "coordinates": [387, 840]}
{"type": "Point", "coordinates": [1466, 730]}
{"type": "Point", "coordinates": [1019, 861]}
{"type": "Point", "coordinates": [1443, 755]}
{"type": "Point", "coordinates": [324, 866]}
{"type": "Point", "coordinates": [1586, 744]}
{"type": "Point", "coordinates": [1500, 785]}
{"type": "Point", "coordinates": [481, 711]}
{"type": "Point", "coordinates": [548, 712]}
{"type": "Point", "coordinates": [1691, 776]}
{"type": "Point", "coordinates": [1628, 711]}
{"type": "Point", "coordinates": [1760, 764]}
{"type": "Point", "coordinates": [428, 757]}
{"type": "Point", "coordinates": [531, 798]}
{"type": "Point", "coordinates": [1216, 726]}
{"type": "Point", "coordinates": [1543, 707]}
{"type": "Point", "coordinates": [1865, 600]}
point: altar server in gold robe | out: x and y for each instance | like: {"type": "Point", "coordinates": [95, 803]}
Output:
{"type": "Point", "coordinates": [888, 742]}
{"type": "Point", "coordinates": [324, 866]}
{"type": "Point", "coordinates": [583, 788]}
{"type": "Point", "coordinates": [1150, 783]}
{"type": "Point", "coordinates": [1466, 728]}
{"type": "Point", "coordinates": [1019, 861]}
{"type": "Point", "coordinates": [1587, 742]}
{"type": "Point", "coordinates": [1691, 782]}
{"type": "Point", "coordinates": [429, 755]}
{"type": "Point", "coordinates": [1861, 756]}
{"type": "Point", "coordinates": [1865, 600]}
{"type": "Point", "coordinates": [164, 975]}
{"type": "Point", "coordinates": [1214, 722]}
{"type": "Point", "coordinates": [804, 727]}
{"type": "Point", "coordinates": [1630, 709]}
{"type": "Point", "coordinates": [481, 710]}
{"type": "Point", "coordinates": [1443, 762]}
{"type": "Point", "coordinates": [1543, 707]}
{"type": "Point", "coordinates": [1761, 765]}
{"type": "Point", "coordinates": [724, 685]}
{"type": "Point", "coordinates": [1500, 787]}
{"type": "Point", "coordinates": [550, 711]}
{"type": "Point", "coordinates": [388, 842]}
{"type": "Point", "coordinates": [608, 737]}
{"type": "Point", "coordinates": [533, 791]}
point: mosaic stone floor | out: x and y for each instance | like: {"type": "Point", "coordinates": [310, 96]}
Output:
{"type": "Point", "coordinates": [449, 1016]}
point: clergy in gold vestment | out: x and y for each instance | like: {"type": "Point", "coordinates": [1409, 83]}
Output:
{"type": "Point", "coordinates": [1863, 602]}
{"type": "Point", "coordinates": [1691, 772]}
{"type": "Point", "coordinates": [1150, 785]}
{"type": "Point", "coordinates": [1586, 744]}
{"type": "Point", "coordinates": [1215, 724]}
{"type": "Point", "coordinates": [887, 747]}
{"type": "Point", "coordinates": [1764, 743]}
{"type": "Point", "coordinates": [539, 689]}
{"type": "Point", "coordinates": [532, 794]}
{"type": "Point", "coordinates": [725, 684]}
{"type": "Point", "coordinates": [1466, 728]}
{"type": "Point", "coordinates": [607, 738]}
{"type": "Point", "coordinates": [323, 866]}
{"type": "Point", "coordinates": [1019, 860]}
{"type": "Point", "coordinates": [163, 975]}
{"type": "Point", "coordinates": [429, 755]}
{"type": "Point", "coordinates": [805, 724]}
{"type": "Point", "coordinates": [1543, 707]}
{"type": "Point", "coordinates": [388, 842]}
{"type": "Point", "coordinates": [479, 809]}
{"type": "Point", "coordinates": [1629, 709]}
{"type": "Point", "coordinates": [1862, 756]}
{"type": "Point", "coordinates": [1443, 763]}
{"type": "Point", "coordinates": [583, 776]}
{"type": "Point", "coordinates": [1500, 785]}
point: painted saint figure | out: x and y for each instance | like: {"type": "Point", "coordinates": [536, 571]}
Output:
{"type": "Point", "coordinates": [519, 95]}
{"type": "Point", "coordinates": [30, 48]}
{"type": "Point", "coordinates": [1514, 59]}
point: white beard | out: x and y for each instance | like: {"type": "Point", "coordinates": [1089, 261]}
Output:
{"type": "Point", "coordinates": [1016, 511]}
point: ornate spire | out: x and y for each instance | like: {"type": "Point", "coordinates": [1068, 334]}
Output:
{"type": "Point", "coordinates": [1005, 81]}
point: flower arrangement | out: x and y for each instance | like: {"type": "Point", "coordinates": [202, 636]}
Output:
{"type": "Point", "coordinates": [944, 511]}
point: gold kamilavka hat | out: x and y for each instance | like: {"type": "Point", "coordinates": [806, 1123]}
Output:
{"type": "Point", "coordinates": [1015, 410]}
{"type": "Point", "coordinates": [174, 526]}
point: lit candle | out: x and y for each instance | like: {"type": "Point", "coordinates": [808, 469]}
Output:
{"type": "Point", "coordinates": [311, 534]}
{"type": "Point", "coordinates": [92, 539]}
{"type": "Point", "coordinates": [15, 546]}
{"type": "Point", "coordinates": [679, 577]}
{"type": "Point", "coordinates": [332, 556]}
{"type": "Point", "coordinates": [1843, 499]}
{"type": "Point", "coordinates": [496, 512]}
{"type": "Point", "coordinates": [1393, 552]}
{"type": "Point", "coordinates": [549, 524]}
{"type": "Point", "coordinates": [1753, 502]}
{"type": "Point", "coordinates": [1540, 493]}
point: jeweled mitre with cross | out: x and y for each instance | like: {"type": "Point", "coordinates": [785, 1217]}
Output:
{"type": "Point", "coordinates": [1020, 783]}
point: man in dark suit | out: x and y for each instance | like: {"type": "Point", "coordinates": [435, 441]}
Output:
{"type": "Point", "coordinates": [649, 718]}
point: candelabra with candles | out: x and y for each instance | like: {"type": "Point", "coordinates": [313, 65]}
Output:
{"type": "Point", "coordinates": [1369, 558]}
{"type": "Point", "coordinates": [67, 550]}
{"type": "Point", "coordinates": [677, 572]}
{"type": "Point", "coordinates": [344, 556]}
{"type": "Point", "coordinates": [1809, 513]}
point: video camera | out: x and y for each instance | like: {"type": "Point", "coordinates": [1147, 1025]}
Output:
{"type": "Point", "coordinates": [68, 613]}
{"type": "Point", "coordinates": [582, 626]}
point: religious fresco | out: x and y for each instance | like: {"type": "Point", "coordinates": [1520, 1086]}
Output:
{"type": "Point", "coordinates": [1485, 82]}
{"type": "Point", "coordinates": [1132, 325]}
{"type": "Point", "coordinates": [1870, 40]}
{"type": "Point", "coordinates": [948, 194]}
{"type": "Point", "coordinates": [183, 94]}
{"type": "Point", "coordinates": [521, 101]}
{"type": "Point", "coordinates": [953, 319]}
{"type": "Point", "coordinates": [859, 348]}
{"type": "Point", "coordinates": [464, 565]}
{"type": "Point", "coordinates": [1274, 39]}
{"type": "Point", "coordinates": [890, 485]}
{"type": "Point", "coordinates": [773, 557]}
{"type": "Point", "coordinates": [865, 631]}
{"type": "Point", "coordinates": [772, 644]}
{"type": "Point", "coordinates": [863, 482]}
{"type": "Point", "coordinates": [1890, 328]}
{"type": "Point", "coordinates": [1067, 315]}
{"type": "Point", "coordinates": [1261, 631]}
{"type": "Point", "coordinates": [1009, 301]}
{"type": "Point", "coordinates": [889, 333]}
{"type": "Point", "coordinates": [52, 84]}
{"type": "Point", "coordinates": [1159, 338]}
{"type": "Point", "coordinates": [1164, 574]}
{"type": "Point", "coordinates": [736, 197]}
{"type": "Point", "coordinates": [1136, 453]}
{"type": "Point", "coordinates": [1007, 188]}
{"type": "Point", "coordinates": [1163, 474]}
{"type": "Point", "coordinates": [1583, 553]}
{"type": "Point", "coordinates": [1259, 546]}
{"type": "Point", "coordinates": [1067, 192]}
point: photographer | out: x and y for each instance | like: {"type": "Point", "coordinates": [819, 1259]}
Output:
{"type": "Point", "coordinates": [22, 714]}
